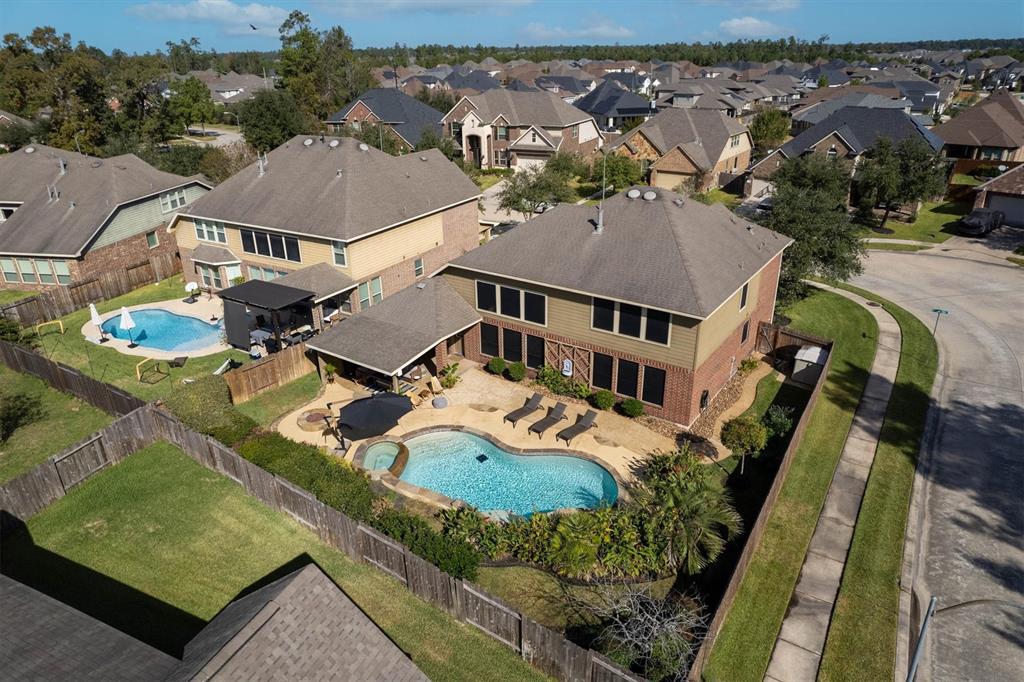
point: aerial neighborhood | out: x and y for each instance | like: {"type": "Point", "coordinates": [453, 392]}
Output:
{"type": "Point", "coordinates": [327, 361]}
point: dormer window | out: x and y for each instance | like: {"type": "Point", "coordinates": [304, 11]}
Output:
{"type": "Point", "coordinates": [832, 153]}
{"type": "Point", "coordinates": [533, 137]}
{"type": "Point", "coordinates": [170, 201]}
{"type": "Point", "coordinates": [502, 133]}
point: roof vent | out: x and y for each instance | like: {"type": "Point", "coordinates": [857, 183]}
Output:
{"type": "Point", "coordinates": [421, 285]}
{"type": "Point", "coordinates": [678, 202]}
{"type": "Point", "coordinates": [650, 195]}
{"type": "Point", "coordinates": [338, 172]}
{"type": "Point", "coordinates": [363, 147]}
{"type": "Point", "coordinates": [96, 164]}
{"type": "Point", "coordinates": [63, 165]}
{"type": "Point", "coordinates": [633, 194]}
{"type": "Point", "coordinates": [423, 158]}
{"type": "Point", "coordinates": [29, 150]}
{"type": "Point", "coordinates": [308, 141]}
{"type": "Point", "coordinates": [332, 144]}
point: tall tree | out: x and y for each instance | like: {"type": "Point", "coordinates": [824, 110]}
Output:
{"type": "Point", "coordinates": [527, 189]}
{"type": "Point", "coordinates": [191, 102]}
{"type": "Point", "coordinates": [270, 119]}
{"type": "Point", "coordinates": [769, 129]}
{"type": "Point", "coordinates": [892, 177]}
{"type": "Point", "coordinates": [299, 57]}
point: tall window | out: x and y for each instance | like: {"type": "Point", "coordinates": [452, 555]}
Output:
{"type": "Point", "coordinates": [28, 274]}
{"type": "Point", "coordinates": [211, 231]}
{"type": "Point", "coordinates": [488, 339]}
{"type": "Point", "coordinates": [631, 320]}
{"type": "Point", "coordinates": [745, 334]}
{"type": "Point", "coordinates": [417, 267]}
{"type": "Point", "coordinates": [743, 296]}
{"type": "Point", "coordinates": [172, 200]}
{"type": "Point", "coordinates": [512, 302]}
{"type": "Point", "coordinates": [370, 292]}
{"type": "Point", "coordinates": [63, 274]}
{"type": "Point", "coordinates": [654, 386]}
{"type": "Point", "coordinates": [340, 253]}
{"type": "Point", "coordinates": [271, 245]}
{"type": "Point", "coordinates": [45, 271]}
{"type": "Point", "coordinates": [602, 371]}
{"type": "Point", "coordinates": [628, 378]}
{"type": "Point", "coordinates": [575, 131]}
{"type": "Point", "coordinates": [502, 133]}
{"type": "Point", "coordinates": [534, 351]}
{"type": "Point", "coordinates": [487, 297]}
{"type": "Point", "coordinates": [9, 270]}
{"type": "Point", "coordinates": [210, 275]}
{"type": "Point", "coordinates": [512, 344]}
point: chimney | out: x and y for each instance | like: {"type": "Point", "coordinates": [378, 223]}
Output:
{"type": "Point", "coordinates": [259, 166]}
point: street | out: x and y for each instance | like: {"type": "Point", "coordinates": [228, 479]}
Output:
{"type": "Point", "coordinates": [969, 543]}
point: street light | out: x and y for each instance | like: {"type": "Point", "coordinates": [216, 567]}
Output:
{"type": "Point", "coordinates": [939, 312]}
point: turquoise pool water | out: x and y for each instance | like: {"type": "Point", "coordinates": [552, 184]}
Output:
{"type": "Point", "coordinates": [164, 330]}
{"type": "Point", "coordinates": [447, 462]}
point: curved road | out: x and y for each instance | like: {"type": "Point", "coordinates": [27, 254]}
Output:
{"type": "Point", "coordinates": [970, 541]}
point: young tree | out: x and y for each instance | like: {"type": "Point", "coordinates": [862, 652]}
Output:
{"type": "Point", "coordinates": [14, 137]}
{"type": "Point", "coordinates": [442, 100]}
{"type": "Point", "coordinates": [376, 135]}
{"type": "Point", "coordinates": [271, 118]}
{"type": "Point", "coordinates": [568, 164]}
{"type": "Point", "coordinates": [769, 129]}
{"type": "Point", "coordinates": [616, 170]}
{"type": "Point", "coordinates": [908, 173]}
{"type": "Point", "coordinates": [431, 139]}
{"type": "Point", "coordinates": [744, 436]}
{"type": "Point", "coordinates": [191, 103]}
{"type": "Point", "coordinates": [527, 189]}
{"type": "Point", "coordinates": [822, 81]}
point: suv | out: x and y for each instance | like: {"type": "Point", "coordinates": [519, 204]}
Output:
{"type": "Point", "coordinates": [981, 221]}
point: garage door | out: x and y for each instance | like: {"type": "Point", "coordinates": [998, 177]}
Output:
{"type": "Point", "coordinates": [669, 180]}
{"type": "Point", "coordinates": [1012, 206]}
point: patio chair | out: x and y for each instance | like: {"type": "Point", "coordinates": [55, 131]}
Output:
{"type": "Point", "coordinates": [555, 415]}
{"type": "Point", "coordinates": [585, 423]}
{"type": "Point", "coordinates": [528, 408]}
{"type": "Point", "coordinates": [178, 361]}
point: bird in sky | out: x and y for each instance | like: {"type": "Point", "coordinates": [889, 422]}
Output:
{"type": "Point", "coordinates": [253, 27]}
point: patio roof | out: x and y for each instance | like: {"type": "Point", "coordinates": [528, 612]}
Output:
{"type": "Point", "coordinates": [323, 279]}
{"type": "Point", "coordinates": [214, 255]}
{"type": "Point", "coordinates": [393, 333]}
{"type": "Point", "coordinates": [266, 295]}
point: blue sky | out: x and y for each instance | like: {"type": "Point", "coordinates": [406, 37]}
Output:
{"type": "Point", "coordinates": [141, 25]}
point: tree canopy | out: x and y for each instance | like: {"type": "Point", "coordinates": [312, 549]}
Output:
{"type": "Point", "coordinates": [894, 176]}
{"type": "Point", "coordinates": [769, 129]}
{"type": "Point", "coordinates": [527, 189]}
{"type": "Point", "coordinates": [271, 118]}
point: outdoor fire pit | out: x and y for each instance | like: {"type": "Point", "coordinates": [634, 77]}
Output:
{"type": "Point", "coordinates": [313, 420]}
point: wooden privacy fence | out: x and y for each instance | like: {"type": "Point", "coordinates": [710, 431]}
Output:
{"type": "Point", "coordinates": [545, 649]}
{"type": "Point", "coordinates": [58, 301]}
{"type": "Point", "coordinates": [757, 530]}
{"type": "Point", "coordinates": [63, 378]}
{"type": "Point", "coordinates": [771, 337]}
{"type": "Point", "coordinates": [275, 370]}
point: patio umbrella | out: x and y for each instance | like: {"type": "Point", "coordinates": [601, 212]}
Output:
{"type": "Point", "coordinates": [128, 324]}
{"type": "Point", "coordinates": [191, 289]}
{"type": "Point", "coordinates": [94, 317]}
{"type": "Point", "coordinates": [372, 416]}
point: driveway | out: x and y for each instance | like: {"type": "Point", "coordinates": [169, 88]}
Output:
{"type": "Point", "coordinates": [216, 137]}
{"type": "Point", "coordinates": [489, 201]}
{"type": "Point", "coordinates": [970, 541]}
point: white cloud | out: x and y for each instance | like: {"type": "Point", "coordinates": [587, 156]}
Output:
{"type": "Point", "coordinates": [234, 19]}
{"type": "Point", "coordinates": [750, 27]}
{"type": "Point", "coordinates": [597, 29]}
{"type": "Point", "coordinates": [756, 5]}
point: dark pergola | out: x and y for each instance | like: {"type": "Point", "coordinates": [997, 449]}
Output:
{"type": "Point", "coordinates": [256, 293]}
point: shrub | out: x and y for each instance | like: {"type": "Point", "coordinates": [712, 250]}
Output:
{"type": "Point", "coordinates": [603, 399]}
{"type": "Point", "coordinates": [17, 410]}
{"type": "Point", "coordinates": [632, 408]}
{"type": "Point", "coordinates": [331, 480]}
{"type": "Point", "coordinates": [449, 376]}
{"type": "Point", "coordinates": [205, 405]}
{"type": "Point", "coordinates": [748, 365]}
{"type": "Point", "coordinates": [744, 435]}
{"type": "Point", "coordinates": [12, 332]}
{"type": "Point", "coordinates": [496, 366]}
{"type": "Point", "coordinates": [553, 380]}
{"type": "Point", "coordinates": [516, 371]}
{"type": "Point", "coordinates": [778, 420]}
{"type": "Point", "coordinates": [454, 556]}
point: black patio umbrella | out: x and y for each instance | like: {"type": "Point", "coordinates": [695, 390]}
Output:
{"type": "Point", "coordinates": [372, 416]}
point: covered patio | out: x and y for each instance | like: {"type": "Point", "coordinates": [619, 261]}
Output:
{"type": "Point", "coordinates": [266, 314]}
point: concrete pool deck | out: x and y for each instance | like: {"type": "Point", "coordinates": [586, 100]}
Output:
{"type": "Point", "coordinates": [203, 309]}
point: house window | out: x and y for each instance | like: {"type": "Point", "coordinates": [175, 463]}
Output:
{"type": "Point", "coordinates": [535, 307]}
{"type": "Point", "coordinates": [745, 334]}
{"type": "Point", "coordinates": [9, 270]}
{"type": "Point", "coordinates": [533, 137]}
{"type": "Point", "coordinates": [417, 267]}
{"type": "Point", "coordinates": [502, 133]}
{"type": "Point", "coordinates": [628, 378]}
{"type": "Point", "coordinates": [510, 302]}
{"type": "Point", "coordinates": [657, 326]}
{"type": "Point", "coordinates": [486, 297]}
{"type": "Point", "coordinates": [45, 271]}
{"type": "Point", "coordinates": [601, 372]}
{"type": "Point", "coordinates": [270, 245]}
{"type": "Point", "coordinates": [575, 132]}
{"type": "Point", "coordinates": [28, 275]}
{"type": "Point", "coordinates": [152, 241]}
{"type": "Point", "coordinates": [172, 200]}
{"type": "Point", "coordinates": [534, 351]}
{"type": "Point", "coordinates": [832, 153]}
{"type": "Point", "coordinates": [743, 296]}
{"type": "Point", "coordinates": [488, 339]}
{"type": "Point", "coordinates": [61, 268]}
{"type": "Point", "coordinates": [734, 141]}
{"type": "Point", "coordinates": [631, 320]}
{"type": "Point", "coordinates": [210, 275]}
{"type": "Point", "coordinates": [370, 292]}
{"type": "Point", "coordinates": [212, 231]}
{"type": "Point", "coordinates": [604, 314]}
{"type": "Point", "coordinates": [340, 253]}
{"type": "Point", "coordinates": [514, 302]}
{"type": "Point", "coordinates": [501, 158]}
{"type": "Point", "coordinates": [654, 386]}
{"type": "Point", "coordinates": [512, 345]}
{"type": "Point", "coordinates": [266, 274]}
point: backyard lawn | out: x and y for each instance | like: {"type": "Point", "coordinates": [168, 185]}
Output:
{"type": "Point", "coordinates": [106, 364]}
{"type": "Point", "coordinates": [744, 646]}
{"type": "Point", "coordinates": [158, 537]}
{"type": "Point", "coordinates": [266, 408]}
{"type": "Point", "coordinates": [718, 196]}
{"type": "Point", "coordinates": [936, 222]}
{"type": "Point", "coordinates": [66, 421]}
{"type": "Point", "coordinates": [12, 295]}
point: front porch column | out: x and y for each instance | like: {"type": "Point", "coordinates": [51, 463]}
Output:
{"type": "Point", "coordinates": [394, 383]}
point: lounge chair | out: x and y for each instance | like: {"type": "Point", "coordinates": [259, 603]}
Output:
{"type": "Point", "coordinates": [531, 406]}
{"type": "Point", "coordinates": [555, 415]}
{"type": "Point", "coordinates": [584, 423]}
{"type": "Point", "coordinates": [178, 361]}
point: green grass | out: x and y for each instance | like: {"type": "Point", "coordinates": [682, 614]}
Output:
{"type": "Point", "coordinates": [67, 420]}
{"type": "Point", "coordinates": [266, 408]}
{"type": "Point", "coordinates": [486, 181]}
{"type": "Point", "coordinates": [861, 641]}
{"type": "Point", "coordinates": [718, 196]}
{"type": "Point", "coordinates": [12, 295]}
{"type": "Point", "coordinates": [160, 538]}
{"type": "Point", "coordinates": [962, 179]}
{"type": "Point", "coordinates": [884, 246]}
{"type": "Point", "coordinates": [744, 646]}
{"type": "Point", "coordinates": [107, 364]}
{"type": "Point", "coordinates": [935, 223]}
{"type": "Point", "coordinates": [1015, 260]}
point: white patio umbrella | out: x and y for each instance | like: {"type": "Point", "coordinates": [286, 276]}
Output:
{"type": "Point", "coordinates": [191, 289]}
{"type": "Point", "coordinates": [128, 324]}
{"type": "Point", "coordinates": [94, 317]}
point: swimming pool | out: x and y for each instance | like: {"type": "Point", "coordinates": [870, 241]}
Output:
{"type": "Point", "coordinates": [164, 330]}
{"type": "Point", "coordinates": [464, 466]}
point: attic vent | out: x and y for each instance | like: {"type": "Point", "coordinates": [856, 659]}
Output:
{"type": "Point", "coordinates": [308, 141]}
{"type": "Point", "coordinates": [332, 144]}
{"type": "Point", "coordinates": [363, 147]}
{"type": "Point", "coordinates": [29, 150]}
{"type": "Point", "coordinates": [633, 194]}
{"type": "Point", "coordinates": [650, 195]}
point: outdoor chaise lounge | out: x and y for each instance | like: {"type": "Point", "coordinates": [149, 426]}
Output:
{"type": "Point", "coordinates": [531, 406]}
{"type": "Point", "coordinates": [584, 423]}
{"type": "Point", "coordinates": [178, 361]}
{"type": "Point", "coordinates": [555, 415]}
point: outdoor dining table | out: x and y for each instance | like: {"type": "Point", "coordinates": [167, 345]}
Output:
{"type": "Point", "coordinates": [258, 336]}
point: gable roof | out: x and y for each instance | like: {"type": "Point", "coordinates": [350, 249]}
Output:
{"type": "Point", "coordinates": [996, 122]}
{"type": "Point", "coordinates": [701, 133]}
{"type": "Point", "coordinates": [670, 253]}
{"type": "Point", "coordinates": [570, 84]}
{"type": "Point", "coordinates": [406, 115]}
{"type": "Point", "coordinates": [241, 86]}
{"type": "Point", "coordinates": [819, 111]}
{"type": "Point", "coordinates": [9, 119]}
{"type": "Point", "coordinates": [342, 192]}
{"type": "Point", "coordinates": [542, 108]}
{"type": "Point", "coordinates": [611, 99]}
{"type": "Point", "coordinates": [517, 85]}
{"type": "Point", "coordinates": [861, 127]}
{"type": "Point", "coordinates": [1010, 182]}
{"type": "Point", "coordinates": [90, 190]}
{"type": "Point", "coordinates": [480, 81]}
{"type": "Point", "coordinates": [323, 279]}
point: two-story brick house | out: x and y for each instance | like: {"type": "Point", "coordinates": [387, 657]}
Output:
{"type": "Point", "coordinates": [67, 217]}
{"type": "Point", "coordinates": [333, 216]}
{"type": "Point", "coordinates": [514, 129]}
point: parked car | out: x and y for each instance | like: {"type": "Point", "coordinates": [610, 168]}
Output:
{"type": "Point", "coordinates": [766, 205]}
{"type": "Point", "coordinates": [981, 221]}
{"type": "Point", "coordinates": [543, 207]}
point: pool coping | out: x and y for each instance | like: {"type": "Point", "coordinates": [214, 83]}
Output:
{"type": "Point", "coordinates": [390, 480]}
{"type": "Point", "coordinates": [90, 333]}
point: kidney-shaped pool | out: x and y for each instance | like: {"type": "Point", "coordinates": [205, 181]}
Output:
{"type": "Point", "coordinates": [464, 466]}
{"type": "Point", "coordinates": [164, 330]}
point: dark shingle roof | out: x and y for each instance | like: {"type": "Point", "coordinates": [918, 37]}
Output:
{"type": "Point", "coordinates": [669, 253]}
{"type": "Point", "coordinates": [611, 99]}
{"type": "Point", "coordinates": [408, 116]}
{"type": "Point", "coordinates": [517, 85]}
{"type": "Point", "coordinates": [701, 133]}
{"type": "Point", "coordinates": [412, 321]}
{"type": "Point", "coordinates": [323, 279]}
{"type": "Point", "coordinates": [861, 127]}
{"type": "Point", "coordinates": [342, 192]}
{"type": "Point", "coordinates": [567, 83]}
{"type": "Point", "coordinates": [480, 81]}
{"type": "Point", "coordinates": [819, 111]}
{"type": "Point", "coordinates": [996, 122]}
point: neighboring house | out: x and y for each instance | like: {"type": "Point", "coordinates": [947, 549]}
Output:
{"type": "Point", "coordinates": [377, 222]}
{"type": "Point", "coordinates": [636, 82]}
{"type": "Point", "coordinates": [925, 97]}
{"type": "Point", "coordinates": [517, 85]}
{"type": "Point", "coordinates": [510, 129]}
{"type": "Point", "coordinates": [568, 88]}
{"type": "Point", "coordinates": [688, 145]}
{"type": "Point", "coordinates": [67, 217]}
{"type": "Point", "coordinates": [735, 99]}
{"type": "Point", "coordinates": [1004, 193]}
{"type": "Point", "coordinates": [847, 134]}
{"type": "Point", "coordinates": [471, 82]}
{"type": "Point", "coordinates": [991, 130]}
{"type": "Point", "coordinates": [226, 88]}
{"type": "Point", "coordinates": [657, 299]}
{"type": "Point", "coordinates": [611, 105]}
{"type": "Point", "coordinates": [405, 117]}
{"type": "Point", "coordinates": [8, 119]}
{"type": "Point", "coordinates": [813, 114]}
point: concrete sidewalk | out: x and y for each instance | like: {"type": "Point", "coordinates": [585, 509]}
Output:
{"type": "Point", "coordinates": [801, 639]}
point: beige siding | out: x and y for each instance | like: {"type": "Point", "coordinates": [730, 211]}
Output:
{"type": "Point", "coordinates": [724, 321]}
{"type": "Point", "coordinates": [311, 250]}
{"type": "Point", "coordinates": [569, 315]}
{"type": "Point", "coordinates": [385, 249]}
{"type": "Point", "coordinates": [140, 217]}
